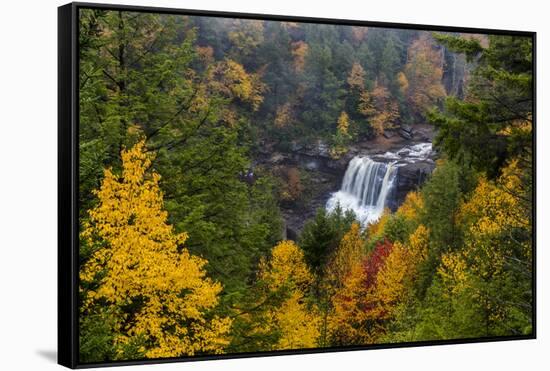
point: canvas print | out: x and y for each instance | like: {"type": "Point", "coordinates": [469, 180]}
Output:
{"type": "Point", "coordinates": [252, 185]}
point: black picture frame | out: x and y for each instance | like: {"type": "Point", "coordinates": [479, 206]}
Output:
{"type": "Point", "coordinates": [68, 180]}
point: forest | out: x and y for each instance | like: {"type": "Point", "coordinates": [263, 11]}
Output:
{"type": "Point", "coordinates": [203, 226]}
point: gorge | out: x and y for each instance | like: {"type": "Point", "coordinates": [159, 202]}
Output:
{"type": "Point", "coordinates": [369, 182]}
{"type": "Point", "coordinates": [371, 176]}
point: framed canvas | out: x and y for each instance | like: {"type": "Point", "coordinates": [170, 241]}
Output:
{"type": "Point", "coordinates": [239, 185]}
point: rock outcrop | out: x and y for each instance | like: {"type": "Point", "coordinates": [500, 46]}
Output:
{"type": "Point", "coordinates": [409, 177]}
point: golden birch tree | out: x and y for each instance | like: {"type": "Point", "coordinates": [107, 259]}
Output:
{"type": "Point", "coordinates": [140, 268]}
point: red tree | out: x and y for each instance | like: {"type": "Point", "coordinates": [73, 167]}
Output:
{"type": "Point", "coordinates": [375, 261]}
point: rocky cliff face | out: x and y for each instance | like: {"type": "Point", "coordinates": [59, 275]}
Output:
{"type": "Point", "coordinates": [409, 177]}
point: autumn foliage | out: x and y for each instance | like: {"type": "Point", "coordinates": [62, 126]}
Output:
{"type": "Point", "coordinates": [295, 321]}
{"type": "Point", "coordinates": [379, 108]}
{"type": "Point", "coordinates": [248, 122]}
{"type": "Point", "coordinates": [421, 80]}
{"type": "Point", "coordinates": [349, 253]}
{"type": "Point", "coordinates": [159, 291]}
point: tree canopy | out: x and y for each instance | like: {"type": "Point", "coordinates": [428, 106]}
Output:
{"type": "Point", "coordinates": [200, 138]}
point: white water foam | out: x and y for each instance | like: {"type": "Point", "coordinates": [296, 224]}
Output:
{"type": "Point", "coordinates": [369, 180]}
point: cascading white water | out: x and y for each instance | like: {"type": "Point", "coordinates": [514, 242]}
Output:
{"type": "Point", "coordinates": [368, 180]}
{"type": "Point", "coordinates": [364, 189]}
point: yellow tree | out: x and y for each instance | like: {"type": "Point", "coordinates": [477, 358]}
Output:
{"type": "Point", "coordinates": [299, 52]}
{"type": "Point", "coordinates": [358, 317]}
{"type": "Point", "coordinates": [484, 287]}
{"type": "Point", "coordinates": [347, 324]}
{"type": "Point", "coordinates": [356, 77]}
{"type": "Point", "coordinates": [343, 124]}
{"type": "Point", "coordinates": [380, 108]}
{"type": "Point", "coordinates": [394, 280]}
{"type": "Point", "coordinates": [342, 136]}
{"type": "Point", "coordinates": [495, 210]}
{"type": "Point", "coordinates": [411, 207]}
{"type": "Point", "coordinates": [232, 80]}
{"type": "Point", "coordinates": [497, 250]}
{"type": "Point", "coordinates": [294, 320]}
{"type": "Point", "coordinates": [375, 231]}
{"type": "Point", "coordinates": [141, 270]}
{"type": "Point", "coordinates": [283, 115]}
{"type": "Point", "coordinates": [390, 285]}
{"type": "Point", "coordinates": [403, 82]}
{"type": "Point", "coordinates": [376, 290]}
{"type": "Point", "coordinates": [349, 252]}
{"type": "Point", "coordinates": [348, 255]}
{"type": "Point", "coordinates": [453, 274]}
{"type": "Point", "coordinates": [418, 244]}
{"type": "Point", "coordinates": [421, 82]}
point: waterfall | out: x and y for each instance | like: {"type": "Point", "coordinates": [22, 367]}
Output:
{"type": "Point", "coordinates": [369, 180]}
{"type": "Point", "coordinates": [365, 188]}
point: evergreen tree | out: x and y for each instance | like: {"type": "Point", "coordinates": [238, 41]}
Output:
{"type": "Point", "coordinates": [321, 236]}
{"type": "Point", "coordinates": [494, 122]}
{"type": "Point", "coordinates": [323, 91]}
{"type": "Point", "coordinates": [142, 76]}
